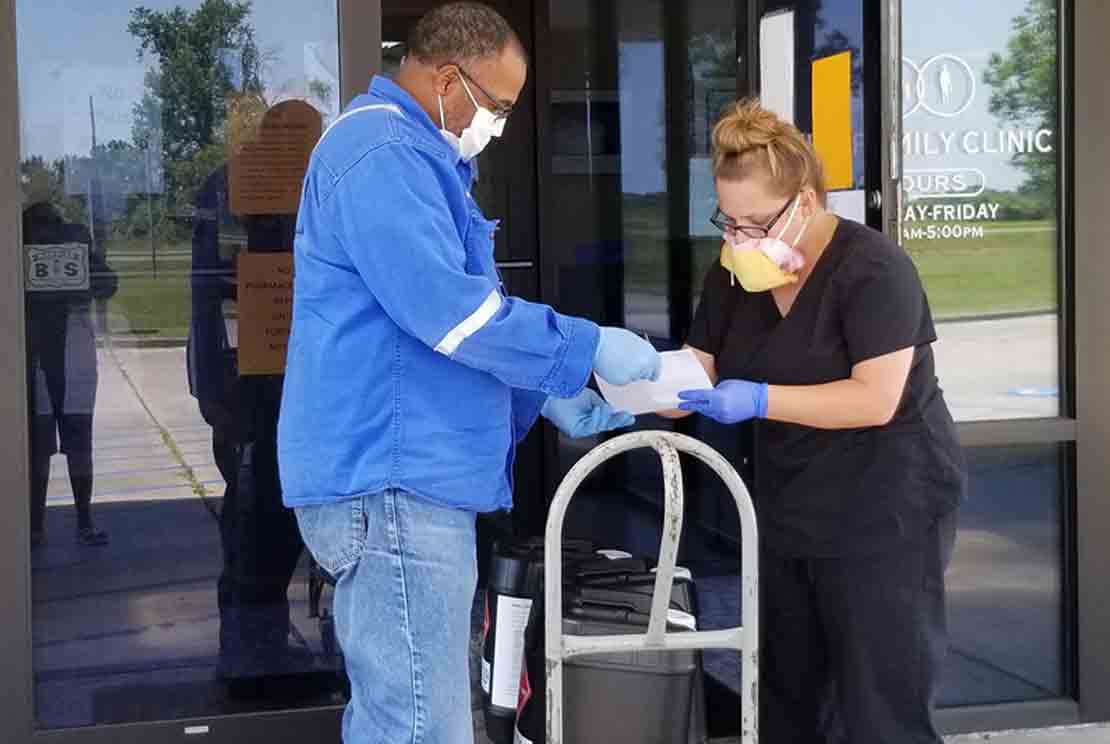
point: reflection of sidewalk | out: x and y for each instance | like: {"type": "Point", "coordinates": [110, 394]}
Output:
{"type": "Point", "coordinates": [149, 439]}
{"type": "Point", "coordinates": [1093, 734]}
{"type": "Point", "coordinates": [141, 611]}
{"type": "Point", "coordinates": [999, 369]}
{"type": "Point", "coordinates": [996, 368]}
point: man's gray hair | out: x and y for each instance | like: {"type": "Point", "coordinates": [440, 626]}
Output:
{"type": "Point", "coordinates": [461, 31]}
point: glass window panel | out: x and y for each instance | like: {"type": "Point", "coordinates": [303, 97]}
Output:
{"type": "Point", "coordinates": [635, 94]}
{"type": "Point", "coordinates": [161, 146]}
{"type": "Point", "coordinates": [981, 113]}
{"type": "Point", "coordinates": [1005, 582]}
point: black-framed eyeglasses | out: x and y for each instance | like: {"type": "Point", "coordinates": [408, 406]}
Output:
{"type": "Point", "coordinates": [500, 110]}
{"type": "Point", "coordinates": [726, 224]}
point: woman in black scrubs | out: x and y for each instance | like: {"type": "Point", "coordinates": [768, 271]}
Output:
{"type": "Point", "coordinates": [819, 328]}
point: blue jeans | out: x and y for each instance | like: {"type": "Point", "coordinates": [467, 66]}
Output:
{"type": "Point", "coordinates": [405, 574]}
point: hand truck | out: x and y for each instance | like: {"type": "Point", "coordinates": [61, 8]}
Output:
{"type": "Point", "coordinates": [743, 639]}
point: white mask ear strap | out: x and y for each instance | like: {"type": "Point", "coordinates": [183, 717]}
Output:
{"type": "Point", "coordinates": [442, 118]}
{"type": "Point", "coordinates": [805, 226]}
{"type": "Point", "coordinates": [790, 219]}
{"type": "Point", "coordinates": [468, 93]}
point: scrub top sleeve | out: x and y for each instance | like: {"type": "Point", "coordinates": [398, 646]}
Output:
{"type": "Point", "coordinates": [885, 308]}
{"type": "Point", "coordinates": [707, 330]}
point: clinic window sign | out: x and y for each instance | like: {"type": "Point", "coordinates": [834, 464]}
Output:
{"type": "Point", "coordinates": [956, 155]}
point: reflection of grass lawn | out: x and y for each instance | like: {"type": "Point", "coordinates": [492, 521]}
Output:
{"type": "Point", "coordinates": [1012, 270]}
{"type": "Point", "coordinates": [149, 306]}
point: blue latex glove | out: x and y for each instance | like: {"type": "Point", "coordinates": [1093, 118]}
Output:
{"type": "Point", "coordinates": [623, 358]}
{"type": "Point", "coordinates": [584, 415]}
{"type": "Point", "coordinates": [731, 402]}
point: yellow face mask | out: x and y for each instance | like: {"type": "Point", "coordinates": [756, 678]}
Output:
{"type": "Point", "coordinates": [755, 271]}
{"type": "Point", "coordinates": [763, 264]}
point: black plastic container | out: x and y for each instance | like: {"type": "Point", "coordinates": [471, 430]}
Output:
{"type": "Point", "coordinates": [640, 697]}
{"type": "Point", "coordinates": [515, 580]}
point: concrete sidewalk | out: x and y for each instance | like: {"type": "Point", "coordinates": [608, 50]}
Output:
{"type": "Point", "coordinates": [1091, 734]}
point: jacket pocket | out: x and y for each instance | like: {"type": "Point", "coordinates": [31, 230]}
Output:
{"type": "Point", "coordinates": [335, 533]}
{"type": "Point", "coordinates": [480, 235]}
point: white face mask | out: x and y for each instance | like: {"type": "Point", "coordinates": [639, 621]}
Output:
{"type": "Point", "coordinates": [484, 127]}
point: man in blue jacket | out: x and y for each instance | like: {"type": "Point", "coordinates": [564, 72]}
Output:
{"type": "Point", "coordinates": [412, 375]}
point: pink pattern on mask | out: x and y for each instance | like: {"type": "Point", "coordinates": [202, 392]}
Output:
{"type": "Point", "coordinates": [782, 255]}
{"type": "Point", "coordinates": [788, 259]}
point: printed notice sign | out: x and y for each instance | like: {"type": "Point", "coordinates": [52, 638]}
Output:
{"type": "Point", "coordinates": [265, 312]}
{"type": "Point", "coordinates": [268, 163]}
{"type": "Point", "coordinates": [63, 267]}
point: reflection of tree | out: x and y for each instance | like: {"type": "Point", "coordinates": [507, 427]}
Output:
{"type": "Point", "coordinates": [122, 181]}
{"type": "Point", "coordinates": [829, 42]}
{"type": "Point", "coordinates": [188, 92]}
{"type": "Point", "coordinates": [713, 55]}
{"type": "Point", "coordinates": [208, 58]}
{"type": "Point", "coordinates": [713, 69]}
{"type": "Point", "coordinates": [1024, 89]}
{"type": "Point", "coordinates": [322, 91]}
{"type": "Point", "coordinates": [46, 182]}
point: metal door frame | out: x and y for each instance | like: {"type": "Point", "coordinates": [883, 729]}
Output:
{"type": "Point", "coordinates": [1086, 114]}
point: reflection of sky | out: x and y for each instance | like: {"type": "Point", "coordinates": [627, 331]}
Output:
{"type": "Point", "coordinates": [69, 51]}
{"type": "Point", "coordinates": [643, 129]}
{"type": "Point", "coordinates": [845, 17]}
{"type": "Point", "coordinates": [972, 32]}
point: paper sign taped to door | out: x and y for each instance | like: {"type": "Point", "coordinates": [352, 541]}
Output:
{"type": "Point", "coordinates": [269, 158]}
{"type": "Point", "coordinates": [265, 312]}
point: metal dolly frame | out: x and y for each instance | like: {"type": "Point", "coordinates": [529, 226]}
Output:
{"type": "Point", "coordinates": [743, 639]}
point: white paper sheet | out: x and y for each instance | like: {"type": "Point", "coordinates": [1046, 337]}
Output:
{"type": "Point", "coordinates": [681, 371]}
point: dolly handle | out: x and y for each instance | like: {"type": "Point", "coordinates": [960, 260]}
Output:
{"type": "Point", "coordinates": [668, 445]}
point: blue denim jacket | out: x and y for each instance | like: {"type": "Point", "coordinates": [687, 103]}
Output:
{"type": "Point", "coordinates": [409, 367]}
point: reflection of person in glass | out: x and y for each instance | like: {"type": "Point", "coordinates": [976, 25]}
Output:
{"type": "Point", "coordinates": [62, 342]}
{"type": "Point", "coordinates": [820, 328]}
{"type": "Point", "coordinates": [261, 543]}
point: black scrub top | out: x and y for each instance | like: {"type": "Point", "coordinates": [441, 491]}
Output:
{"type": "Point", "coordinates": [836, 493]}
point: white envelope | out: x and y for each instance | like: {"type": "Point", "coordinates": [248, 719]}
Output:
{"type": "Point", "coordinates": [681, 371]}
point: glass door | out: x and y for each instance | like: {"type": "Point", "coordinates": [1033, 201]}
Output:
{"type": "Point", "coordinates": [163, 147]}
{"type": "Point", "coordinates": [630, 94]}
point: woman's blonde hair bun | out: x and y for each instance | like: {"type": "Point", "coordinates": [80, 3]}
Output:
{"type": "Point", "coordinates": [751, 140]}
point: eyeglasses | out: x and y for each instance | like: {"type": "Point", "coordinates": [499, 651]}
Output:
{"type": "Point", "coordinates": [726, 224]}
{"type": "Point", "coordinates": [499, 109]}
